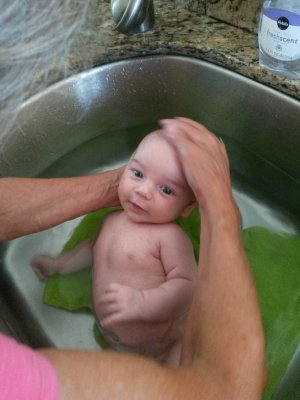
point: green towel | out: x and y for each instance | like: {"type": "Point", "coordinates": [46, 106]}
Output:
{"type": "Point", "coordinates": [275, 264]}
{"type": "Point", "coordinates": [74, 291]}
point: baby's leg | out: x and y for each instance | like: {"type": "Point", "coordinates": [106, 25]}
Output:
{"type": "Point", "coordinates": [74, 260]}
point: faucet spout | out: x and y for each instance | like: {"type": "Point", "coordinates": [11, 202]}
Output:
{"type": "Point", "coordinates": [133, 15]}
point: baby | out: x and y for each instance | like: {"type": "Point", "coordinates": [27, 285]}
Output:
{"type": "Point", "coordinates": [143, 263]}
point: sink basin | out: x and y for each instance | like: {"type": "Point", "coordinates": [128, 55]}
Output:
{"type": "Point", "coordinates": [93, 121]}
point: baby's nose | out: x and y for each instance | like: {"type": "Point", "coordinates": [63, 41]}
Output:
{"type": "Point", "coordinates": [144, 190]}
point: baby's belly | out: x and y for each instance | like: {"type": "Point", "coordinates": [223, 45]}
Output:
{"type": "Point", "coordinates": [138, 279]}
{"type": "Point", "coordinates": [142, 337]}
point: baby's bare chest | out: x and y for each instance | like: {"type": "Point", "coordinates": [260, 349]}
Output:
{"type": "Point", "coordinates": [129, 256]}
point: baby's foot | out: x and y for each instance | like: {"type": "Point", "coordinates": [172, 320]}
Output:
{"type": "Point", "coordinates": [43, 266]}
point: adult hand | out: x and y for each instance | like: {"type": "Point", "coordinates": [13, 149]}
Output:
{"type": "Point", "coordinates": [203, 157]}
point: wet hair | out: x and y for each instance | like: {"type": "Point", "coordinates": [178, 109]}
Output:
{"type": "Point", "coordinates": [35, 40]}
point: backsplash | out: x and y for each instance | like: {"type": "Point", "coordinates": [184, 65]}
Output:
{"type": "Point", "coordinates": [241, 13]}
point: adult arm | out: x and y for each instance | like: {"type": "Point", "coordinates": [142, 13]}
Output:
{"type": "Point", "coordinates": [30, 205]}
{"type": "Point", "coordinates": [224, 330]}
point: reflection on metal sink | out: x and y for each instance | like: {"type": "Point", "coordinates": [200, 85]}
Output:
{"type": "Point", "coordinates": [94, 120]}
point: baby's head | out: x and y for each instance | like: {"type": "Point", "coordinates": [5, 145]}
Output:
{"type": "Point", "coordinates": [153, 187]}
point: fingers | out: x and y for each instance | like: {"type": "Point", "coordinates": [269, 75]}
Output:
{"type": "Point", "coordinates": [111, 309]}
{"type": "Point", "coordinates": [185, 126]}
{"type": "Point", "coordinates": [202, 155]}
{"type": "Point", "coordinates": [187, 121]}
{"type": "Point", "coordinates": [119, 303]}
{"type": "Point", "coordinates": [109, 301]}
{"type": "Point", "coordinates": [183, 133]}
{"type": "Point", "coordinates": [110, 320]}
{"type": "Point", "coordinates": [186, 129]}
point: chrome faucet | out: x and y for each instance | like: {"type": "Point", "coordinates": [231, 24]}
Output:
{"type": "Point", "coordinates": [133, 15]}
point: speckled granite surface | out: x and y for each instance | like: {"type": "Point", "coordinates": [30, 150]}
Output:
{"type": "Point", "coordinates": [198, 6]}
{"type": "Point", "coordinates": [244, 14]}
{"type": "Point", "coordinates": [180, 30]}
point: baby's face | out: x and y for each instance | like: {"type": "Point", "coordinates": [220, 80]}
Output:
{"type": "Point", "coordinates": [153, 188]}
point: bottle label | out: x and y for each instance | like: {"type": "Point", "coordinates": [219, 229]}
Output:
{"type": "Point", "coordinates": [280, 34]}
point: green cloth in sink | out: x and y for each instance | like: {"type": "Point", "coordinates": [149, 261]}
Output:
{"type": "Point", "coordinates": [275, 264]}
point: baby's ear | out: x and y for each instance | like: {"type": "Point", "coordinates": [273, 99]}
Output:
{"type": "Point", "coordinates": [188, 209]}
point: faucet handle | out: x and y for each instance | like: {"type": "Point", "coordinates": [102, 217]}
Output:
{"type": "Point", "coordinates": [133, 15]}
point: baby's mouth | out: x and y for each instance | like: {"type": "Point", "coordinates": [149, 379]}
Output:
{"type": "Point", "coordinates": [136, 207]}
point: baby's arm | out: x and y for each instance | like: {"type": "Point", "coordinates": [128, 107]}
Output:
{"type": "Point", "coordinates": [73, 260]}
{"type": "Point", "coordinates": [173, 297]}
{"type": "Point", "coordinates": [170, 300]}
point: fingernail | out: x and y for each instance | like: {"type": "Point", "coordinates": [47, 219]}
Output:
{"type": "Point", "coordinates": [164, 121]}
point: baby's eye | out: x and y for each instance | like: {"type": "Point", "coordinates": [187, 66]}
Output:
{"type": "Point", "coordinates": [166, 190]}
{"type": "Point", "coordinates": [137, 173]}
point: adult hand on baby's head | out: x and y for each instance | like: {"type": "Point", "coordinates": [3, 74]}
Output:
{"type": "Point", "coordinates": [203, 157]}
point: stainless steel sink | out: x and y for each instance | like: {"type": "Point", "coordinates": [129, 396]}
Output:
{"type": "Point", "coordinates": [94, 120]}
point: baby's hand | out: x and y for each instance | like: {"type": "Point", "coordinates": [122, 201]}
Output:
{"type": "Point", "coordinates": [119, 304]}
{"type": "Point", "coordinates": [43, 266]}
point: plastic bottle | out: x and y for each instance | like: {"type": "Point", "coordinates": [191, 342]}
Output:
{"type": "Point", "coordinates": [279, 37]}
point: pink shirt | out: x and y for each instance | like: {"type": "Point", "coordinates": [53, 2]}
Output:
{"type": "Point", "coordinates": [25, 374]}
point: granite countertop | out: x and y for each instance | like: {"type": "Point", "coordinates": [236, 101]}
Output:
{"type": "Point", "coordinates": [178, 31]}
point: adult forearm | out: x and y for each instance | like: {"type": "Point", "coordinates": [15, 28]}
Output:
{"type": "Point", "coordinates": [224, 330]}
{"type": "Point", "coordinates": [115, 376]}
{"type": "Point", "coordinates": [228, 338]}
{"type": "Point", "coordinates": [29, 205]}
